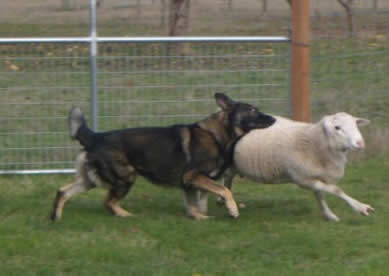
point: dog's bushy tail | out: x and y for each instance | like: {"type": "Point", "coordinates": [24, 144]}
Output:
{"type": "Point", "coordinates": [78, 129]}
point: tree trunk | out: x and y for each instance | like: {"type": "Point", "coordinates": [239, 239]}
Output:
{"type": "Point", "coordinates": [138, 9]}
{"type": "Point", "coordinates": [264, 6]}
{"type": "Point", "coordinates": [179, 11]}
{"type": "Point", "coordinates": [66, 4]}
{"type": "Point", "coordinates": [375, 5]}
{"type": "Point", "coordinates": [99, 3]}
{"type": "Point", "coordinates": [178, 17]}
{"type": "Point", "coordinates": [230, 5]}
{"type": "Point", "coordinates": [163, 14]}
{"type": "Point", "coordinates": [347, 5]}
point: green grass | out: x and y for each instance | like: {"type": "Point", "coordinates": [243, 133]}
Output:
{"type": "Point", "coordinates": [280, 231]}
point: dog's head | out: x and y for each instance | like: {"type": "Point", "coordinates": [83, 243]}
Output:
{"type": "Point", "coordinates": [242, 117]}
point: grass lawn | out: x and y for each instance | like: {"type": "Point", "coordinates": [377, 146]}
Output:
{"type": "Point", "coordinates": [280, 231]}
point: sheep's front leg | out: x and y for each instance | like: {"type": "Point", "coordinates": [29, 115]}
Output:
{"type": "Point", "coordinates": [359, 207]}
{"type": "Point", "coordinates": [328, 214]}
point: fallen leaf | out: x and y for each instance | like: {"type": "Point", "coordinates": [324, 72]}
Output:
{"type": "Point", "coordinates": [242, 205]}
{"type": "Point", "coordinates": [374, 45]}
{"type": "Point", "coordinates": [380, 37]}
{"type": "Point", "coordinates": [14, 67]}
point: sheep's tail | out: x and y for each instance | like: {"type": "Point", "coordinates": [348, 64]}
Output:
{"type": "Point", "coordinates": [78, 129]}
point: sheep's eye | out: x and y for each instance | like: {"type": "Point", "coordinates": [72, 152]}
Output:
{"type": "Point", "coordinates": [337, 127]}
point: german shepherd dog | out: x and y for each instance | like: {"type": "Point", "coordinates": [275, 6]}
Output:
{"type": "Point", "coordinates": [190, 156]}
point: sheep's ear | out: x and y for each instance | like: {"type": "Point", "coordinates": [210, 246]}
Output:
{"type": "Point", "coordinates": [362, 121]}
{"type": "Point", "coordinates": [326, 122]}
{"type": "Point", "coordinates": [223, 101]}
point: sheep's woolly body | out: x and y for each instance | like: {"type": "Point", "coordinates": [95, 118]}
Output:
{"type": "Point", "coordinates": [311, 155]}
{"type": "Point", "coordinates": [289, 151]}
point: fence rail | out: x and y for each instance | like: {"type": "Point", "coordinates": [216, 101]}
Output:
{"type": "Point", "coordinates": [162, 39]}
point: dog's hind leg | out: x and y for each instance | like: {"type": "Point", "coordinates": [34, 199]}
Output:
{"type": "Point", "coordinates": [194, 205]}
{"type": "Point", "coordinates": [66, 192]}
{"type": "Point", "coordinates": [113, 198]}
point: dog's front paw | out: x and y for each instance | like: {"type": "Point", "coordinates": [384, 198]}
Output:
{"type": "Point", "coordinates": [202, 217]}
{"type": "Point", "coordinates": [232, 208]}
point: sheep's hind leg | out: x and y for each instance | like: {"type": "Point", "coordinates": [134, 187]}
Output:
{"type": "Point", "coordinates": [328, 214]}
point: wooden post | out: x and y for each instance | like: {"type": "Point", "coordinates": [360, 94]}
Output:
{"type": "Point", "coordinates": [301, 99]}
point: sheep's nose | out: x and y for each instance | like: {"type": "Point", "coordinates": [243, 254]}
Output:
{"type": "Point", "coordinates": [360, 144]}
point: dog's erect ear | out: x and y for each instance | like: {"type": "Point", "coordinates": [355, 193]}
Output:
{"type": "Point", "coordinates": [223, 101]}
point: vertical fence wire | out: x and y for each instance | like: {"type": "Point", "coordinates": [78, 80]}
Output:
{"type": "Point", "coordinates": [93, 66]}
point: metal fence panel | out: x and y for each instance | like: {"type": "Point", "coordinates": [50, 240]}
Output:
{"type": "Point", "coordinates": [39, 83]}
{"type": "Point", "coordinates": [162, 84]}
{"type": "Point", "coordinates": [140, 83]}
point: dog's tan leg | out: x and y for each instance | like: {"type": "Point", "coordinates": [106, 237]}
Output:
{"type": "Point", "coordinates": [202, 202]}
{"type": "Point", "coordinates": [192, 204]}
{"type": "Point", "coordinates": [112, 203]}
{"type": "Point", "coordinates": [207, 184]}
{"type": "Point", "coordinates": [227, 182]}
{"type": "Point", "coordinates": [66, 192]}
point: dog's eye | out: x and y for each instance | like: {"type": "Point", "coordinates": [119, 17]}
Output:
{"type": "Point", "coordinates": [337, 127]}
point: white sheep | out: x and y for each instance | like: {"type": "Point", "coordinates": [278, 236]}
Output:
{"type": "Point", "coordinates": [311, 155]}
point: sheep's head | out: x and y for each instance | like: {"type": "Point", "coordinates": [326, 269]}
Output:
{"type": "Point", "coordinates": [342, 130]}
{"type": "Point", "coordinates": [242, 117]}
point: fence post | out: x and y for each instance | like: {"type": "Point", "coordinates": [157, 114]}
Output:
{"type": "Point", "coordinates": [93, 67]}
{"type": "Point", "coordinates": [301, 61]}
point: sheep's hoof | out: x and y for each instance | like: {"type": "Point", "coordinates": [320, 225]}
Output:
{"type": "Point", "coordinates": [365, 210]}
{"type": "Point", "coordinates": [332, 217]}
